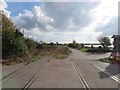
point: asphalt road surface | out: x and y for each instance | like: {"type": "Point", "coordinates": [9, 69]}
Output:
{"type": "Point", "coordinates": [74, 72]}
{"type": "Point", "coordinates": [94, 77]}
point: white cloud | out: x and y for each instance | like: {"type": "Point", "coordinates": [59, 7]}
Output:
{"type": "Point", "coordinates": [83, 11]}
{"type": "Point", "coordinates": [101, 16]}
{"type": "Point", "coordinates": [105, 11]}
{"type": "Point", "coordinates": [74, 22]}
{"type": "Point", "coordinates": [3, 7]}
{"type": "Point", "coordinates": [40, 16]}
{"type": "Point", "coordinates": [33, 19]}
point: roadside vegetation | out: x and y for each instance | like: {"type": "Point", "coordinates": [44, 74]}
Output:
{"type": "Point", "coordinates": [96, 49]}
{"type": "Point", "coordinates": [61, 56]}
{"type": "Point", "coordinates": [75, 45]}
{"type": "Point", "coordinates": [34, 58]}
{"type": "Point", "coordinates": [16, 48]}
{"type": "Point", "coordinates": [99, 49]}
{"type": "Point", "coordinates": [84, 49]}
{"type": "Point", "coordinates": [105, 43]}
{"type": "Point", "coordinates": [106, 60]}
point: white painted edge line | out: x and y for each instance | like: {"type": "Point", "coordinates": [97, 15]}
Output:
{"type": "Point", "coordinates": [82, 80]}
{"type": "Point", "coordinates": [107, 73]}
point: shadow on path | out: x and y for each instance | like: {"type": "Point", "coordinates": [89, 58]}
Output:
{"type": "Point", "coordinates": [113, 69]}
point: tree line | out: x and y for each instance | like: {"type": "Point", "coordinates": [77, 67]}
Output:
{"type": "Point", "coordinates": [13, 41]}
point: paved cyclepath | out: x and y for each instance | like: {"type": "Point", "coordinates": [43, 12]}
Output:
{"type": "Point", "coordinates": [61, 74]}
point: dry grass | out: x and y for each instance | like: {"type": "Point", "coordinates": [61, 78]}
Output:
{"type": "Point", "coordinates": [59, 52]}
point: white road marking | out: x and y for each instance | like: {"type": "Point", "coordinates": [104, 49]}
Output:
{"type": "Point", "coordinates": [107, 73]}
{"type": "Point", "coordinates": [82, 80]}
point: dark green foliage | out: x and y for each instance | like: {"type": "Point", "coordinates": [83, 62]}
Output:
{"type": "Point", "coordinates": [12, 44]}
{"type": "Point", "coordinates": [7, 42]}
{"type": "Point", "coordinates": [84, 49]}
{"type": "Point", "coordinates": [42, 45]}
{"type": "Point", "coordinates": [57, 43]}
{"type": "Point", "coordinates": [7, 24]}
{"type": "Point", "coordinates": [51, 44]}
{"type": "Point", "coordinates": [19, 45]}
{"type": "Point", "coordinates": [99, 49]}
{"type": "Point", "coordinates": [105, 41]}
{"type": "Point", "coordinates": [82, 45]}
{"type": "Point", "coordinates": [13, 41]}
{"type": "Point", "coordinates": [30, 43]}
{"type": "Point", "coordinates": [75, 45]}
{"type": "Point", "coordinates": [39, 46]}
{"type": "Point", "coordinates": [70, 45]}
{"type": "Point", "coordinates": [18, 33]}
{"type": "Point", "coordinates": [107, 60]}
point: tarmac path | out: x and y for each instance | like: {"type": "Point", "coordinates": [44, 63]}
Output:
{"type": "Point", "coordinates": [77, 71]}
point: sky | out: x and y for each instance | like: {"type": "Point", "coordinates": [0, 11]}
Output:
{"type": "Point", "coordinates": [64, 22]}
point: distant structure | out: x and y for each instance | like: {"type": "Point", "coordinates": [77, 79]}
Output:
{"type": "Point", "coordinates": [116, 43]}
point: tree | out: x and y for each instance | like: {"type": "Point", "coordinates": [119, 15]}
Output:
{"type": "Point", "coordinates": [13, 42]}
{"type": "Point", "coordinates": [74, 44]}
{"type": "Point", "coordinates": [57, 43]}
{"type": "Point", "coordinates": [105, 41]}
{"type": "Point", "coordinates": [41, 42]}
{"type": "Point", "coordinates": [30, 43]}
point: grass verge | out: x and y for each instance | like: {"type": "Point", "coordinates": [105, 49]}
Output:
{"type": "Point", "coordinates": [34, 58]}
{"type": "Point", "coordinates": [84, 49]}
{"type": "Point", "coordinates": [107, 60]}
{"type": "Point", "coordinates": [61, 56]}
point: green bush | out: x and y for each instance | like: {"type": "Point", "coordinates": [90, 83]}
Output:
{"type": "Point", "coordinates": [12, 44]}
{"type": "Point", "coordinates": [19, 45]}
{"type": "Point", "coordinates": [108, 60]}
{"type": "Point", "coordinates": [61, 56]}
{"type": "Point", "coordinates": [99, 49]}
{"type": "Point", "coordinates": [84, 49]}
{"type": "Point", "coordinates": [12, 38]}
{"type": "Point", "coordinates": [7, 43]}
{"type": "Point", "coordinates": [76, 45]}
{"type": "Point", "coordinates": [30, 43]}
